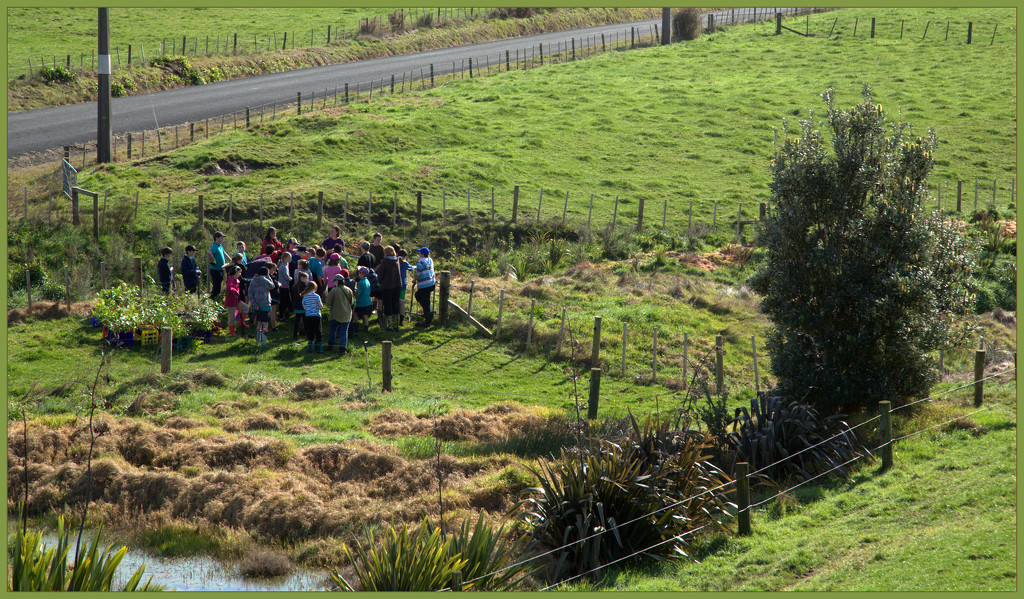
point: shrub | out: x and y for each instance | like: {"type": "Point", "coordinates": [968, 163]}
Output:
{"type": "Point", "coordinates": [32, 569]}
{"type": "Point", "coordinates": [402, 561]}
{"type": "Point", "coordinates": [686, 23]}
{"type": "Point", "coordinates": [117, 89]}
{"type": "Point", "coordinates": [57, 74]}
{"type": "Point", "coordinates": [425, 20]}
{"type": "Point", "coordinates": [632, 499]}
{"type": "Point", "coordinates": [396, 19]}
{"type": "Point", "coordinates": [860, 283]}
{"type": "Point", "coordinates": [776, 428]}
{"type": "Point", "coordinates": [492, 563]}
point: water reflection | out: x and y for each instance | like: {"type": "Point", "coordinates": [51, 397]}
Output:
{"type": "Point", "coordinates": [203, 573]}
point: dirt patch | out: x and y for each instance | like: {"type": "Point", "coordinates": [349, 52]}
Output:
{"type": "Point", "coordinates": [46, 310]}
{"type": "Point", "coordinates": [151, 403]}
{"type": "Point", "coordinates": [233, 168]}
{"type": "Point", "coordinates": [309, 389]}
{"type": "Point", "coordinates": [1007, 228]}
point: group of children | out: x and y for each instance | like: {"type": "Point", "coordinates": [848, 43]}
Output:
{"type": "Point", "coordinates": [292, 280]}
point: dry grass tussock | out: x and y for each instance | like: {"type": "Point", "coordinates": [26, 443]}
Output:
{"type": "Point", "coordinates": [268, 487]}
{"type": "Point", "coordinates": [264, 563]}
{"type": "Point", "coordinates": [307, 389]}
{"type": "Point", "coordinates": [494, 423]}
{"type": "Point", "coordinates": [45, 310]}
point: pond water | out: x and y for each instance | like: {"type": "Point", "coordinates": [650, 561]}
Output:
{"type": "Point", "coordinates": [203, 573]}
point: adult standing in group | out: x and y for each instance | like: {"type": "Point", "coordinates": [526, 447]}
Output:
{"type": "Point", "coordinates": [333, 240]}
{"type": "Point", "coordinates": [217, 258]}
{"type": "Point", "coordinates": [390, 285]}
{"type": "Point", "coordinates": [376, 248]}
{"type": "Point", "coordinates": [366, 257]}
{"type": "Point", "coordinates": [270, 238]}
{"type": "Point", "coordinates": [425, 285]}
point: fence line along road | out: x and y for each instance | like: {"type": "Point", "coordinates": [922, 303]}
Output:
{"type": "Point", "coordinates": [50, 128]}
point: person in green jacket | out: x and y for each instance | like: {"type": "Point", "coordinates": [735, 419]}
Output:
{"type": "Point", "coordinates": [339, 303]}
{"type": "Point", "coordinates": [364, 303]}
{"type": "Point", "coordinates": [217, 259]}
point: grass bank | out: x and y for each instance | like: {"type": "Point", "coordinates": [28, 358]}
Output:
{"type": "Point", "coordinates": [158, 32]}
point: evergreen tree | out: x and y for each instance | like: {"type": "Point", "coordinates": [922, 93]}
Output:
{"type": "Point", "coordinates": [860, 282]}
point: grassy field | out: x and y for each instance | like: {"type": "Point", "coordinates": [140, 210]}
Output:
{"type": "Point", "coordinates": [312, 449]}
{"type": "Point", "coordinates": [687, 122]}
{"type": "Point", "coordinates": [39, 33]}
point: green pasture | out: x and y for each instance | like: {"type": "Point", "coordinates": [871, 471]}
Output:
{"type": "Point", "coordinates": [943, 519]}
{"type": "Point", "coordinates": [42, 33]}
{"type": "Point", "coordinates": [694, 121]}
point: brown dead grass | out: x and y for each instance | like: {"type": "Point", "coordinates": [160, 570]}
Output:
{"type": "Point", "coordinates": [491, 424]}
{"type": "Point", "coordinates": [309, 389]}
{"type": "Point", "coordinates": [47, 310]}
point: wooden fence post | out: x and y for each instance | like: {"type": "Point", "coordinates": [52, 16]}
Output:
{"type": "Point", "coordinates": [590, 212]}
{"type": "Point", "coordinates": [394, 211]}
{"type": "Point", "coordinates": [970, 30]}
{"type": "Point", "coordinates": [28, 287]}
{"type": "Point", "coordinates": [979, 375]}
{"type": "Point", "coordinates": [959, 193]}
{"type": "Point", "coordinates": [561, 334]}
{"type": "Point", "coordinates": [539, 200]}
{"type": "Point", "coordinates": [67, 289]}
{"type": "Point", "coordinates": [623, 348]}
{"type": "Point", "coordinates": [753, 347]}
{"type": "Point", "coordinates": [291, 212]}
{"type": "Point", "coordinates": [595, 393]}
{"type": "Point", "coordinates": [167, 218]}
{"type": "Point", "coordinates": [419, 208]}
{"type": "Point", "coordinates": [565, 206]}
{"type": "Point", "coordinates": [686, 348]}
{"type": "Point", "coordinates": [166, 343]}
{"type": "Point", "coordinates": [719, 365]}
{"type": "Point", "coordinates": [515, 203]}
{"type": "Point", "coordinates": [492, 203]}
{"type": "Point", "coordinates": [137, 262]}
{"type": "Point", "coordinates": [529, 326]}
{"type": "Point", "coordinates": [445, 291]}
{"type": "Point", "coordinates": [201, 211]}
{"type": "Point", "coordinates": [885, 433]}
{"type": "Point", "coordinates": [96, 217]}
{"type": "Point", "coordinates": [654, 357]}
{"type": "Point", "coordinates": [501, 307]}
{"type": "Point", "coordinates": [261, 210]}
{"type": "Point", "coordinates": [385, 365]}
{"type": "Point", "coordinates": [74, 207]}
{"type": "Point", "coordinates": [615, 212]}
{"type": "Point", "coordinates": [664, 214]}
{"type": "Point", "coordinates": [469, 207]}
{"type": "Point", "coordinates": [595, 348]}
{"type": "Point", "coordinates": [469, 307]}
{"type": "Point", "coordinates": [640, 216]}
{"type": "Point", "coordinates": [444, 209]}
{"type": "Point", "coordinates": [742, 498]}
{"type": "Point", "coordinates": [319, 209]}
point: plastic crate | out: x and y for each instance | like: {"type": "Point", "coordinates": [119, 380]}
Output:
{"type": "Point", "coordinates": [205, 336]}
{"type": "Point", "coordinates": [183, 343]}
{"type": "Point", "coordinates": [121, 340]}
{"type": "Point", "coordinates": [95, 322]}
{"type": "Point", "coordinates": [149, 336]}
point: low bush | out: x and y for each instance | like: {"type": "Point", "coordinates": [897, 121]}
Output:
{"type": "Point", "coordinates": [33, 569]}
{"type": "Point", "coordinates": [686, 23]}
{"type": "Point", "coordinates": [776, 428]}
{"type": "Point", "coordinates": [625, 500]}
{"type": "Point", "coordinates": [57, 74]}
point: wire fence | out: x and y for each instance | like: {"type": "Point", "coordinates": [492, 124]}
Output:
{"type": "Point", "coordinates": [733, 483]}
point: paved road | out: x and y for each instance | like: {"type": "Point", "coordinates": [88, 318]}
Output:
{"type": "Point", "coordinates": [49, 128]}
